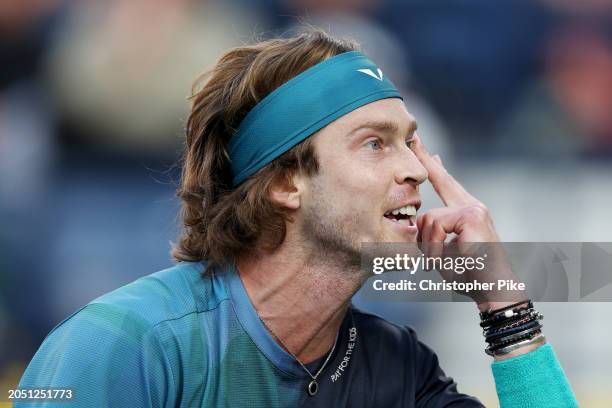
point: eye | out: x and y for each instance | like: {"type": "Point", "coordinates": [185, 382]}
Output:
{"type": "Point", "coordinates": [374, 144]}
{"type": "Point", "coordinates": [410, 143]}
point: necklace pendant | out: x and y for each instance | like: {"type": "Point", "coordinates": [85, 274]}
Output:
{"type": "Point", "coordinates": [313, 388]}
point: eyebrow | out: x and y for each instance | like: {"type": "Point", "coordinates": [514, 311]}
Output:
{"type": "Point", "coordinates": [384, 126]}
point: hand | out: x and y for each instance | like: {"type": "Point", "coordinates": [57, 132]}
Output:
{"type": "Point", "coordinates": [470, 221]}
{"type": "Point", "coordinates": [462, 215]}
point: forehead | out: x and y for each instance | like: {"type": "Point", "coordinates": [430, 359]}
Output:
{"type": "Point", "coordinates": [391, 110]}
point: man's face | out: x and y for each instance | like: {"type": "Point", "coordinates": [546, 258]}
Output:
{"type": "Point", "coordinates": [367, 172]}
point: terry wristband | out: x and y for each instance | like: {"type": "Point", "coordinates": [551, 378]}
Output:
{"type": "Point", "coordinates": [535, 379]}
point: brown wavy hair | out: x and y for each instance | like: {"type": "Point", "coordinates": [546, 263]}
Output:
{"type": "Point", "coordinates": [221, 222]}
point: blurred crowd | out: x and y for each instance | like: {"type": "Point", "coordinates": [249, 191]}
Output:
{"type": "Point", "coordinates": [94, 96]}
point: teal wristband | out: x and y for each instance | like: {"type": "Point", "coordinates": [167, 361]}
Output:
{"type": "Point", "coordinates": [535, 379]}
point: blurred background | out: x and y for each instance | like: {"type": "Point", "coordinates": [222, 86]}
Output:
{"type": "Point", "coordinates": [516, 96]}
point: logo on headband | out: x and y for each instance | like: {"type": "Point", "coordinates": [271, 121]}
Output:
{"type": "Point", "coordinates": [369, 72]}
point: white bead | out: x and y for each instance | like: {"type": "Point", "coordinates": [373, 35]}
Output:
{"type": "Point", "coordinates": [508, 313]}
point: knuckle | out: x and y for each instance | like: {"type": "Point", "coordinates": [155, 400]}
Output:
{"type": "Point", "coordinates": [477, 212]}
{"type": "Point", "coordinates": [435, 225]}
{"type": "Point", "coordinates": [482, 207]}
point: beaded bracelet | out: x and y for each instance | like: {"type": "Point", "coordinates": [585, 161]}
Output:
{"type": "Point", "coordinates": [503, 333]}
{"type": "Point", "coordinates": [491, 319]}
{"type": "Point", "coordinates": [503, 320]}
{"type": "Point", "coordinates": [518, 319]}
{"type": "Point", "coordinates": [498, 346]}
{"type": "Point", "coordinates": [510, 327]}
{"type": "Point", "coordinates": [527, 317]}
{"type": "Point", "coordinates": [515, 336]}
{"type": "Point", "coordinates": [489, 313]}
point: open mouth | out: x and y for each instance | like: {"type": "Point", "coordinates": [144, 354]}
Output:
{"type": "Point", "coordinates": [403, 215]}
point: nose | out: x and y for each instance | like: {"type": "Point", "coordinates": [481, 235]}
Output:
{"type": "Point", "coordinates": [409, 169]}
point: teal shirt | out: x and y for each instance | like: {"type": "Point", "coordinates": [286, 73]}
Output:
{"type": "Point", "coordinates": [164, 340]}
{"type": "Point", "coordinates": [175, 338]}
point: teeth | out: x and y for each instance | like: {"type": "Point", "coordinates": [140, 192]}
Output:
{"type": "Point", "coordinates": [411, 220]}
{"type": "Point", "coordinates": [409, 210]}
{"type": "Point", "coordinates": [406, 210]}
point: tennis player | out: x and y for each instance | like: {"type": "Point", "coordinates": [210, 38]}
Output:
{"type": "Point", "coordinates": [297, 151]}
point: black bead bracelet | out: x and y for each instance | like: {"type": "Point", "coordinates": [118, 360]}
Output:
{"type": "Point", "coordinates": [489, 313]}
{"type": "Point", "coordinates": [503, 333]}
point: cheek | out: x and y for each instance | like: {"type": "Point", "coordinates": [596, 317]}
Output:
{"type": "Point", "coordinates": [359, 184]}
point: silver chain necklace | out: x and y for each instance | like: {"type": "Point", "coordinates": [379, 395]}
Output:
{"type": "Point", "coordinates": [313, 386]}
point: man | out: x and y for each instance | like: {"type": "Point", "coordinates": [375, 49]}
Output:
{"type": "Point", "coordinates": [298, 151]}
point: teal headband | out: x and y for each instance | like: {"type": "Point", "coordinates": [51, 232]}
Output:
{"type": "Point", "coordinates": [302, 106]}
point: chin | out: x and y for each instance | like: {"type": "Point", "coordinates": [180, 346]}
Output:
{"type": "Point", "coordinates": [405, 240]}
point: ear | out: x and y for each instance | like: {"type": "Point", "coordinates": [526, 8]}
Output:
{"type": "Point", "coordinates": [288, 194]}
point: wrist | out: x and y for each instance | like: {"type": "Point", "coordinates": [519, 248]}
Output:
{"type": "Point", "coordinates": [510, 329]}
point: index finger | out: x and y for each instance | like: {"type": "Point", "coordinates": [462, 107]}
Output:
{"type": "Point", "coordinates": [450, 191]}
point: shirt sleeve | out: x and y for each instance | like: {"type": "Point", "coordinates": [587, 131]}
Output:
{"type": "Point", "coordinates": [107, 356]}
{"type": "Point", "coordinates": [434, 387]}
{"type": "Point", "coordinates": [535, 379]}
